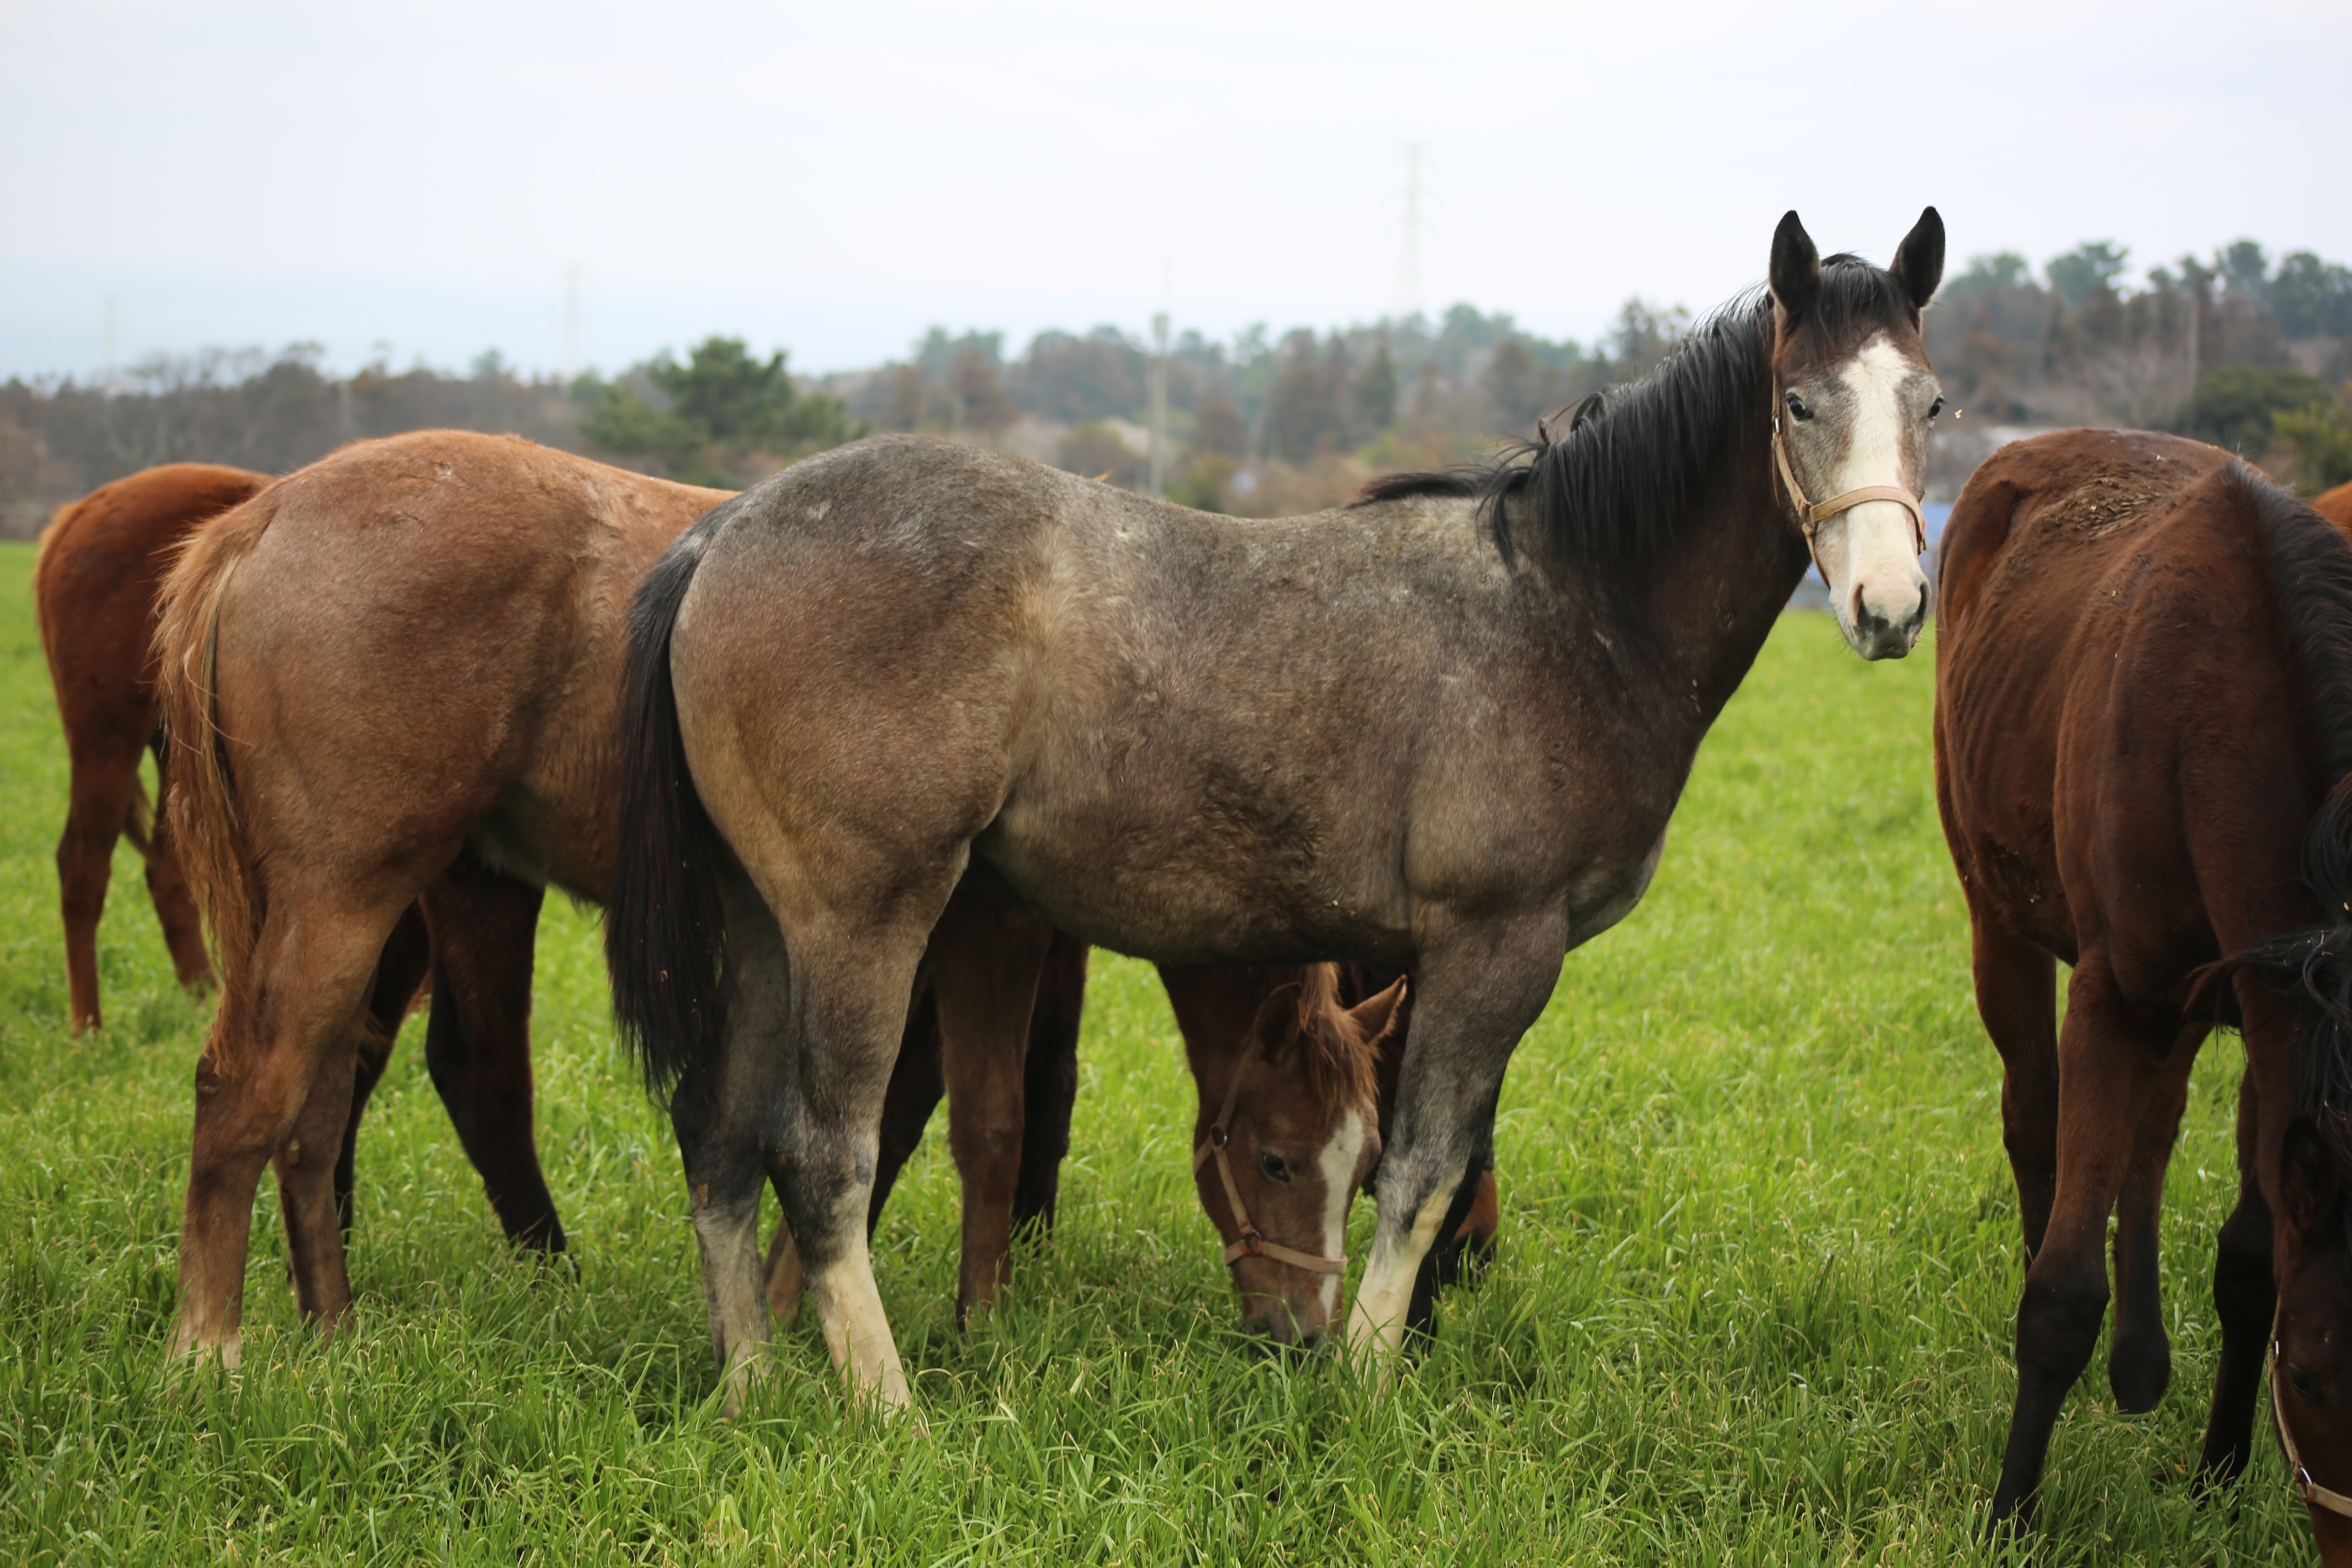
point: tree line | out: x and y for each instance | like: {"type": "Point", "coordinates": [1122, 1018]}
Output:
{"type": "Point", "coordinates": [2250, 352]}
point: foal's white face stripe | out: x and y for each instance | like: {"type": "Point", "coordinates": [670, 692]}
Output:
{"type": "Point", "coordinates": [1338, 1163]}
{"type": "Point", "coordinates": [1867, 551]}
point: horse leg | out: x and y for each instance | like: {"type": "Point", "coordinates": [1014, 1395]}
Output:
{"type": "Point", "coordinates": [2139, 1359]}
{"type": "Point", "coordinates": [807, 1066]}
{"type": "Point", "coordinates": [914, 1089]}
{"type": "Point", "coordinates": [402, 968]}
{"type": "Point", "coordinates": [102, 789]}
{"type": "Point", "coordinates": [167, 887]}
{"type": "Point", "coordinates": [1050, 1087]}
{"type": "Point", "coordinates": [986, 959]}
{"type": "Point", "coordinates": [310, 970]}
{"type": "Point", "coordinates": [722, 1111]}
{"type": "Point", "coordinates": [2112, 1067]}
{"type": "Point", "coordinates": [477, 1039]}
{"type": "Point", "coordinates": [1480, 987]}
{"type": "Point", "coordinates": [1443, 1265]}
{"type": "Point", "coordinates": [2017, 998]}
{"type": "Point", "coordinates": [2245, 1296]}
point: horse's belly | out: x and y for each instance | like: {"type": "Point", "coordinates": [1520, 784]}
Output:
{"type": "Point", "coordinates": [1178, 896]}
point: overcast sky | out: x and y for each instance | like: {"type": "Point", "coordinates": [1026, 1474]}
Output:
{"type": "Point", "coordinates": [833, 179]}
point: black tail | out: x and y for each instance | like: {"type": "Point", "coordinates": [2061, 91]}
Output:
{"type": "Point", "coordinates": [2311, 576]}
{"type": "Point", "coordinates": [665, 927]}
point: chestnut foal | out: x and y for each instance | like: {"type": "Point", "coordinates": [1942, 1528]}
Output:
{"type": "Point", "coordinates": [2143, 733]}
{"type": "Point", "coordinates": [101, 559]}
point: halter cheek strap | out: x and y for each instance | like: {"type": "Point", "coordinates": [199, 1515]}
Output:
{"type": "Point", "coordinates": [1252, 1244]}
{"type": "Point", "coordinates": [2311, 1491]}
{"type": "Point", "coordinates": [1810, 517]}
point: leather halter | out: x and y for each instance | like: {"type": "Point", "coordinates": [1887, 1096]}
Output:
{"type": "Point", "coordinates": [1810, 517]}
{"type": "Point", "coordinates": [1252, 1244]}
{"type": "Point", "coordinates": [2311, 1491]}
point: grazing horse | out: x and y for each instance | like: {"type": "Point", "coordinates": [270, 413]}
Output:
{"type": "Point", "coordinates": [1313, 1140]}
{"type": "Point", "coordinates": [326, 802]}
{"type": "Point", "coordinates": [907, 691]}
{"type": "Point", "coordinates": [94, 586]}
{"type": "Point", "coordinates": [389, 677]}
{"type": "Point", "coordinates": [2143, 732]}
{"type": "Point", "coordinates": [102, 562]}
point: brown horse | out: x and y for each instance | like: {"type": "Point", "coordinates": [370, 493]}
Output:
{"type": "Point", "coordinates": [102, 562]}
{"type": "Point", "coordinates": [101, 559]}
{"type": "Point", "coordinates": [1289, 1085]}
{"type": "Point", "coordinates": [2335, 506]}
{"type": "Point", "coordinates": [2144, 696]}
{"type": "Point", "coordinates": [490, 574]}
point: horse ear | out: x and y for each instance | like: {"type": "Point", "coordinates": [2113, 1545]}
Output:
{"type": "Point", "coordinates": [1919, 259]}
{"type": "Point", "coordinates": [1375, 1015]}
{"type": "Point", "coordinates": [1277, 1028]}
{"type": "Point", "coordinates": [1796, 265]}
{"type": "Point", "coordinates": [2310, 1186]}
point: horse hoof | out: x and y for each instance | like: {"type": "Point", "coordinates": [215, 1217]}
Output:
{"type": "Point", "coordinates": [2137, 1373]}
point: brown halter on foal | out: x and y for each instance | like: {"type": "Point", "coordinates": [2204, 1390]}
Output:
{"type": "Point", "coordinates": [2311, 1491]}
{"type": "Point", "coordinates": [1810, 517]}
{"type": "Point", "coordinates": [1252, 1244]}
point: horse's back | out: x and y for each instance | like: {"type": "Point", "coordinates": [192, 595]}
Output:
{"type": "Point", "coordinates": [102, 557]}
{"type": "Point", "coordinates": [429, 628]}
{"type": "Point", "coordinates": [2117, 713]}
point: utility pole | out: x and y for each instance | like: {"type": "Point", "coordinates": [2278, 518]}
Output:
{"type": "Point", "coordinates": [571, 324]}
{"type": "Point", "coordinates": [106, 377]}
{"type": "Point", "coordinates": [1409, 259]}
{"type": "Point", "coordinates": [1158, 386]}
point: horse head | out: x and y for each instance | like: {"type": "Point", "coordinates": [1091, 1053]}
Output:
{"type": "Point", "coordinates": [1853, 398]}
{"type": "Point", "coordinates": [2311, 1341]}
{"type": "Point", "coordinates": [1287, 1143]}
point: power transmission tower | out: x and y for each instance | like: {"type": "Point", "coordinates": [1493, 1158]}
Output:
{"type": "Point", "coordinates": [571, 324]}
{"type": "Point", "coordinates": [1409, 259]}
{"type": "Point", "coordinates": [1158, 391]}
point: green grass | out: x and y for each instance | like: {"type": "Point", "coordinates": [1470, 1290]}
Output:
{"type": "Point", "coordinates": [1753, 1303]}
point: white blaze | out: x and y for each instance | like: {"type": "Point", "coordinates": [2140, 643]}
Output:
{"type": "Point", "coordinates": [1868, 552]}
{"type": "Point", "coordinates": [1338, 1163]}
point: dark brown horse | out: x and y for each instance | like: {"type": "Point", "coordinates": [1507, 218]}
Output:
{"type": "Point", "coordinates": [1445, 728]}
{"type": "Point", "coordinates": [491, 574]}
{"type": "Point", "coordinates": [2144, 699]}
{"type": "Point", "coordinates": [94, 583]}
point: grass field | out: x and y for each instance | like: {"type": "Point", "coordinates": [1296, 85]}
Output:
{"type": "Point", "coordinates": [1752, 1304]}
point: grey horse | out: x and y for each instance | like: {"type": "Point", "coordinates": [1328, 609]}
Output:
{"type": "Point", "coordinates": [911, 695]}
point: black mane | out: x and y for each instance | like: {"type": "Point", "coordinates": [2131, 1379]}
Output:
{"type": "Point", "coordinates": [1613, 487]}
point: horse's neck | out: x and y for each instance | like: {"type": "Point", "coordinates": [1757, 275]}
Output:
{"type": "Point", "coordinates": [1713, 595]}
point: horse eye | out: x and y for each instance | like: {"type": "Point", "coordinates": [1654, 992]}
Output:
{"type": "Point", "coordinates": [1271, 1163]}
{"type": "Point", "coordinates": [1935, 409]}
{"type": "Point", "coordinates": [1797, 406]}
{"type": "Point", "coordinates": [2306, 1387]}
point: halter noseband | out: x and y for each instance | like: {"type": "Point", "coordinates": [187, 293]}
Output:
{"type": "Point", "coordinates": [1810, 517]}
{"type": "Point", "coordinates": [1252, 1244]}
{"type": "Point", "coordinates": [2311, 1491]}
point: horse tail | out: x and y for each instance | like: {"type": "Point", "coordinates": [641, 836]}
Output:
{"type": "Point", "coordinates": [200, 798]}
{"type": "Point", "coordinates": [2309, 564]}
{"type": "Point", "coordinates": [139, 819]}
{"type": "Point", "coordinates": [665, 926]}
